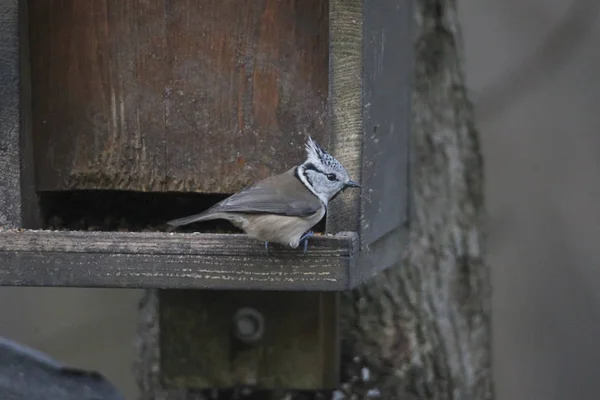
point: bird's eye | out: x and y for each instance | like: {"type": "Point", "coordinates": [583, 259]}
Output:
{"type": "Point", "coordinates": [331, 177]}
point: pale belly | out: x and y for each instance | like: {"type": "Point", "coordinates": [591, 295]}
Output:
{"type": "Point", "coordinates": [280, 229]}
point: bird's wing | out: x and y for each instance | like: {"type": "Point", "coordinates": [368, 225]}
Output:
{"type": "Point", "coordinates": [285, 195]}
{"type": "Point", "coordinates": [260, 199]}
{"type": "Point", "coordinates": [282, 194]}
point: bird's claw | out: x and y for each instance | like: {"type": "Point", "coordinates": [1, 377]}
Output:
{"type": "Point", "coordinates": [267, 248]}
{"type": "Point", "coordinates": [304, 239]}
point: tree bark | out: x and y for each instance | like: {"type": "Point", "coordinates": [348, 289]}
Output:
{"type": "Point", "coordinates": [421, 330]}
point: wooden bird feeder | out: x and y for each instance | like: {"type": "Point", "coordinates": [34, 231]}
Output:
{"type": "Point", "coordinates": [117, 116]}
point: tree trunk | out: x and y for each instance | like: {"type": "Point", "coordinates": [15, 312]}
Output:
{"type": "Point", "coordinates": [421, 330]}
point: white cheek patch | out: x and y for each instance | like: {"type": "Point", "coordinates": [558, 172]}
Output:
{"type": "Point", "coordinates": [302, 175]}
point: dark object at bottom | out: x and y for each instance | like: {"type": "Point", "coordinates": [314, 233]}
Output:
{"type": "Point", "coordinates": [27, 374]}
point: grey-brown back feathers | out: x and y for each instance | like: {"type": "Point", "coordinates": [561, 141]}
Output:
{"type": "Point", "coordinates": [280, 195]}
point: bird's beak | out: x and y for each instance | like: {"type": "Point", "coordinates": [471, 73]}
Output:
{"type": "Point", "coordinates": [352, 184]}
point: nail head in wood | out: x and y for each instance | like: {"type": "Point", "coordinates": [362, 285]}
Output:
{"type": "Point", "coordinates": [248, 325]}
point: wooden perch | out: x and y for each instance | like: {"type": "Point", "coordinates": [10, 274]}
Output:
{"type": "Point", "coordinates": [173, 260]}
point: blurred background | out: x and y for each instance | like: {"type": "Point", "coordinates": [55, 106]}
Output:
{"type": "Point", "coordinates": [532, 68]}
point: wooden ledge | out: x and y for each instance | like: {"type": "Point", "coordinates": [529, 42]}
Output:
{"type": "Point", "coordinates": [173, 260]}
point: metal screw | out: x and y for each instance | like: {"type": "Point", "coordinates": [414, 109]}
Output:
{"type": "Point", "coordinates": [248, 325]}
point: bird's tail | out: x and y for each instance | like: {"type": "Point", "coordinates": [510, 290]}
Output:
{"type": "Point", "coordinates": [204, 216]}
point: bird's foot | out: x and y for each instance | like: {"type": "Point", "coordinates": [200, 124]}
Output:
{"type": "Point", "coordinates": [304, 239]}
{"type": "Point", "coordinates": [267, 248]}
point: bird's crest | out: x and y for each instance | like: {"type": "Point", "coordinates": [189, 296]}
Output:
{"type": "Point", "coordinates": [316, 155]}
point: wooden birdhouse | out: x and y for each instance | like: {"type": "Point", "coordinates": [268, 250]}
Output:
{"type": "Point", "coordinates": [117, 116]}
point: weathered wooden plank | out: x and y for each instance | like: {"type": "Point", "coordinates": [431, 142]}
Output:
{"type": "Point", "coordinates": [162, 260]}
{"type": "Point", "coordinates": [298, 347]}
{"type": "Point", "coordinates": [201, 244]}
{"type": "Point", "coordinates": [385, 252]}
{"type": "Point", "coordinates": [370, 68]}
{"type": "Point", "coordinates": [346, 107]}
{"type": "Point", "coordinates": [386, 94]}
{"type": "Point", "coordinates": [18, 201]}
{"type": "Point", "coordinates": [247, 82]}
{"type": "Point", "coordinates": [175, 96]}
{"type": "Point", "coordinates": [31, 213]}
{"type": "Point", "coordinates": [101, 63]}
{"type": "Point", "coordinates": [134, 156]}
{"type": "Point", "coordinates": [10, 173]}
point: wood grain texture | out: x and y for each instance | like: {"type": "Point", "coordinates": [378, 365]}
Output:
{"type": "Point", "coordinates": [299, 347]}
{"type": "Point", "coordinates": [248, 81]}
{"type": "Point", "coordinates": [346, 106]}
{"type": "Point", "coordinates": [162, 260]}
{"type": "Point", "coordinates": [370, 89]}
{"type": "Point", "coordinates": [31, 213]}
{"type": "Point", "coordinates": [10, 126]}
{"type": "Point", "coordinates": [175, 95]}
{"type": "Point", "coordinates": [387, 78]}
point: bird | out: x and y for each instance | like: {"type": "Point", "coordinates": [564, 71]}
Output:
{"type": "Point", "coordinates": [283, 208]}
